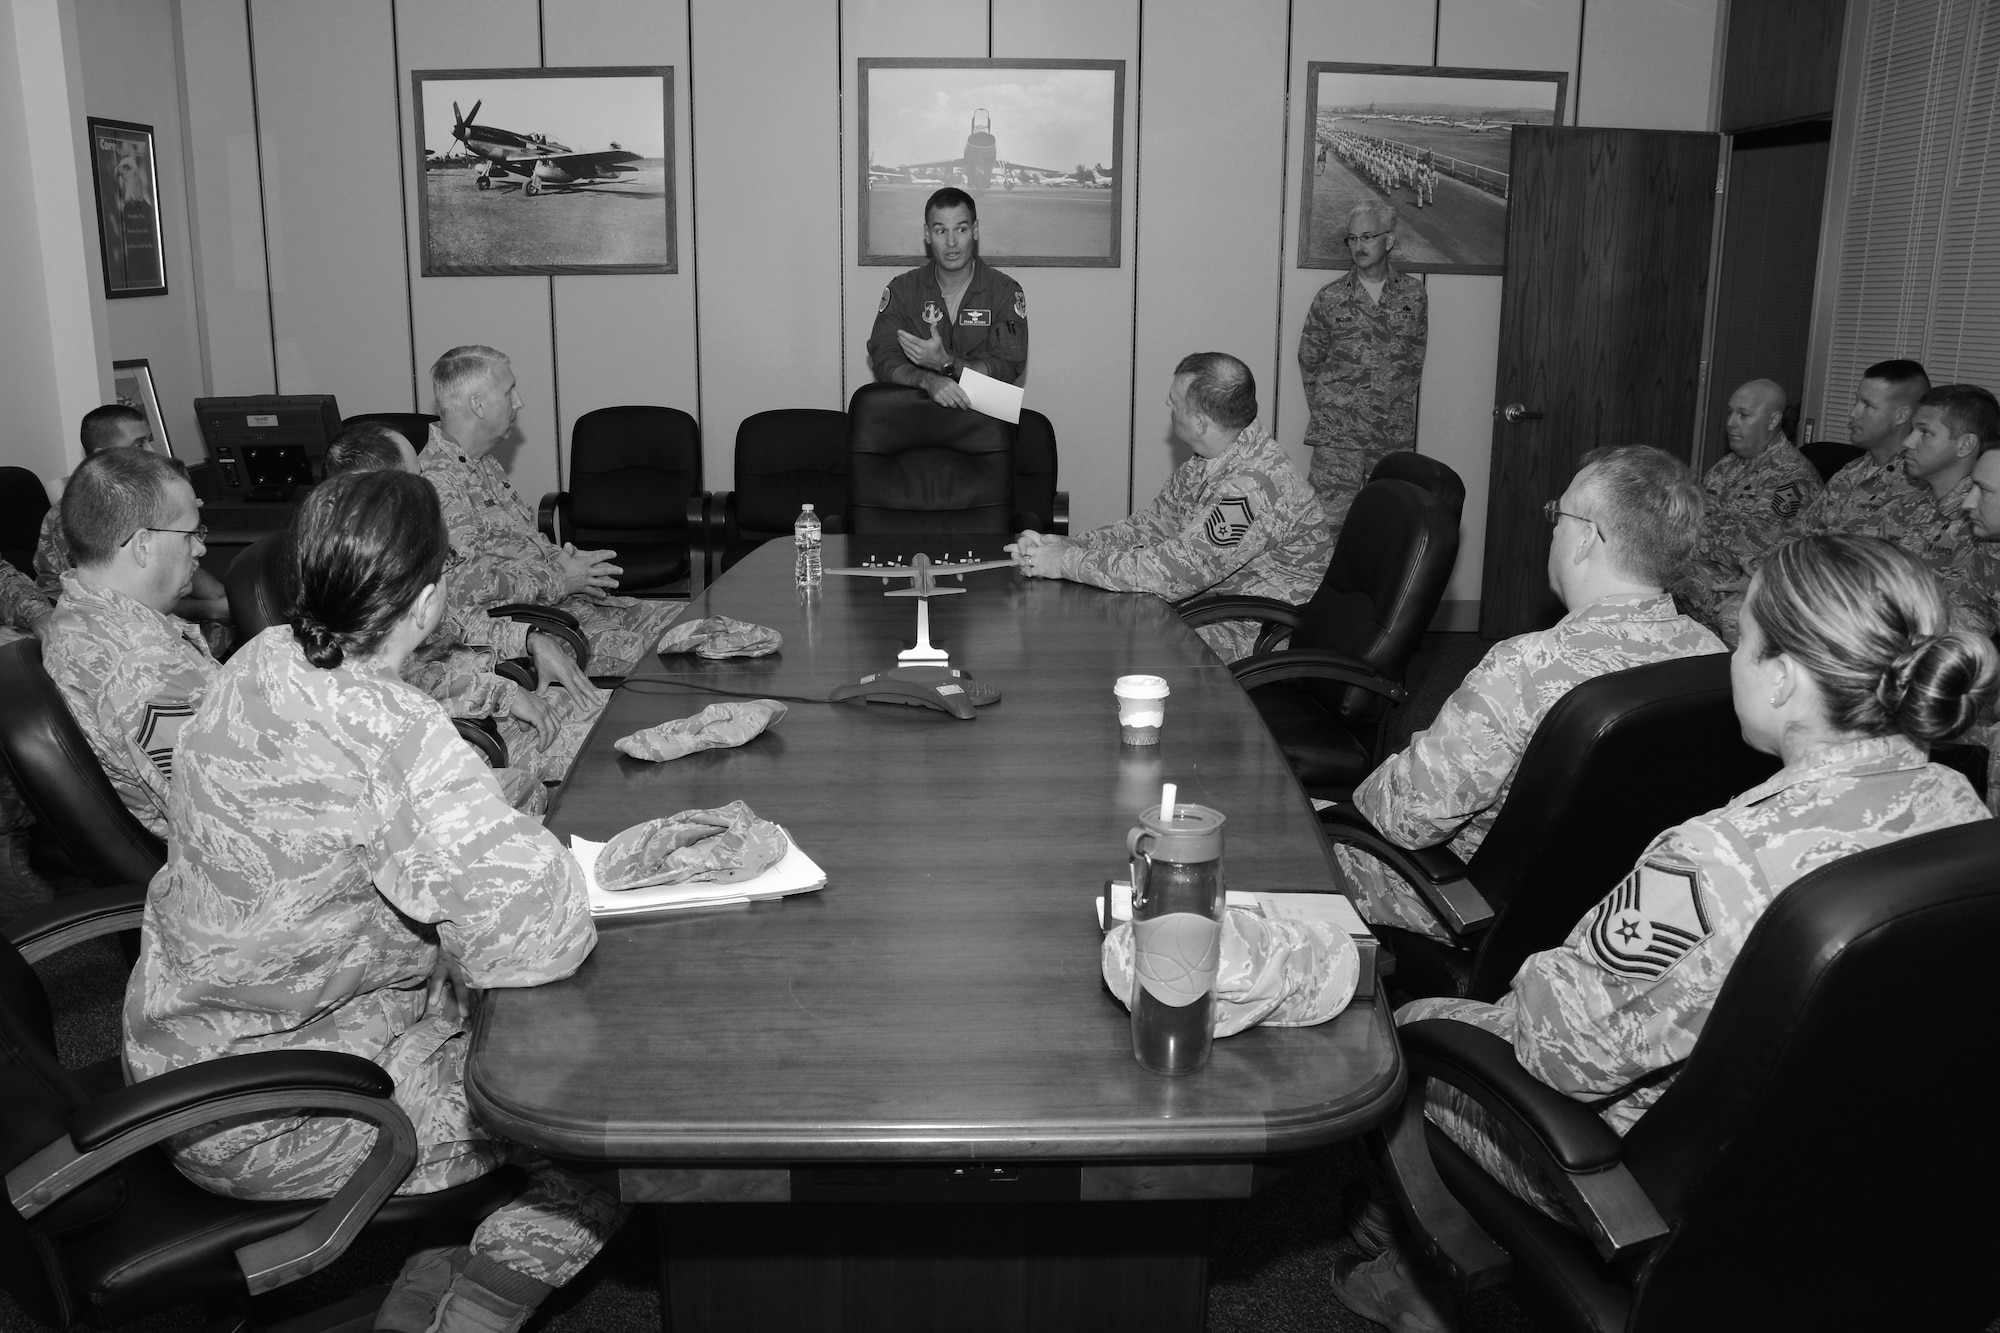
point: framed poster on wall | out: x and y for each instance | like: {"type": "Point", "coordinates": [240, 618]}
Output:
{"type": "Point", "coordinates": [1432, 143]}
{"type": "Point", "coordinates": [1038, 144]}
{"type": "Point", "coordinates": [531, 171]}
{"type": "Point", "coordinates": [128, 207]}
{"type": "Point", "coordinates": [132, 385]}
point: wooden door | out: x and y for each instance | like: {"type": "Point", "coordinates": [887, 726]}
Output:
{"type": "Point", "coordinates": [1609, 235]}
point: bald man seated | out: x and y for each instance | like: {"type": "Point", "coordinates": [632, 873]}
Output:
{"type": "Point", "coordinates": [1756, 493]}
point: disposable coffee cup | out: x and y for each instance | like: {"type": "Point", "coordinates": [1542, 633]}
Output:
{"type": "Point", "coordinates": [1142, 707]}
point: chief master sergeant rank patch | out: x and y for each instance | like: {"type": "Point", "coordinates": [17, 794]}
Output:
{"type": "Point", "coordinates": [1228, 520]}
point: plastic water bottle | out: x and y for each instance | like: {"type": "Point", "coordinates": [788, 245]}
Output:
{"type": "Point", "coordinates": [806, 537]}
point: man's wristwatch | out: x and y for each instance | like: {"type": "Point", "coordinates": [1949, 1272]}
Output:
{"type": "Point", "coordinates": [952, 367]}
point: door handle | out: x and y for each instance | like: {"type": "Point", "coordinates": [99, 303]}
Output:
{"type": "Point", "coordinates": [1515, 412]}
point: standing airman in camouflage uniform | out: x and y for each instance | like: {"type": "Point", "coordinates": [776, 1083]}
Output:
{"type": "Point", "coordinates": [342, 872]}
{"type": "Point", "coordinates": [1235, 518]}
{"type": "Point", "coordinates": [1624, 998]}
{"type": "Point", "coordinates": [1623, 530]}
{"type": "Point", "coordinates": [23, 612]}
{"type": "Point", "coordinates": [1951, 429]}
{"type": "Point", "coordinates": [498, 553]}
{"type": "Point", "coordinates": [1362, 357]}
{"type": "Point", "coordinates": [131, 671]}
{"type": "Point", "coordinates": [1873, 495]}
{"type": "Point", "coordinates": [1756, 493]}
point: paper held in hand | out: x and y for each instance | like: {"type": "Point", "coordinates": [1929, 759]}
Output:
{"type": "Point", "coordinates": [996, 398]}
{"type": "Point", "coordinates": [795, 873]}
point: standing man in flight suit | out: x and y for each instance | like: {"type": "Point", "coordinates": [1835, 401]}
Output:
{"type": "Point", "coordinates": [951, 313]}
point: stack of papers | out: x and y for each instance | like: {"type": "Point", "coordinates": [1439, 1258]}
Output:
{"type": "Point", "coordinates": [795, 873]}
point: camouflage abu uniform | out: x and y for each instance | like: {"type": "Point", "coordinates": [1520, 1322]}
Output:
{"type": "Point", "coordinates": [1363, 362]}
{"type": "Point", "coordinates": [52, 561]}
{"type": "Point", "coordinates": [1453, 778]}
{"type": "Point", "coordinates": [341, 868]}
{"type": "Point", "coordinates": [1940, 535]}
{"type": "Point", "coordinates": [23, 606]}
{"type": "Point", "coordinates": [498, 555]}
{"type": "Point", "coordinates": [1866, 498]}
{"type": "Point", "coordinates": [1752, 507]}
{"type": "Point", "coordinates": [1241, 523]}
{"type": "Point", "coordinates": [1631, 988]}
{"type": "Point", "coordinates": [132, 677]}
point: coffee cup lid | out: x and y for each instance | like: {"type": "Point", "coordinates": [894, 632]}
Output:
{"type": "Point", "coordinates": [1141, 687]}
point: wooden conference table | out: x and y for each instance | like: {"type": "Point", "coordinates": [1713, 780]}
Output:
{"type": "Point", "coordinates": [920, 1059]}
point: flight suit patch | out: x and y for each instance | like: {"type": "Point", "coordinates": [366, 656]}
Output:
{"type": "Point", "coordinates": [160, 732]}
{"type": "Point", "coordinates": [1020, 304]}
{"type": "Point", "coordinates": [1650, 922]}
{"type": "Point", "coordinates": [885, 301]}
{"type": "Point", "coordinates": [1228, 521]}
{"type": "Point", "coordinates": [931, 314]}
{"type": "Point", "coordinates": [975, 318]}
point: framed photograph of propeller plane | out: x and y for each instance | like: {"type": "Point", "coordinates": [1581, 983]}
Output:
{"type": "Point", "coordinates": [530, 171]}
{"type": "Point", "coordinates": [1434, 144]}
{"type": "Point", "coordinates": [1038, 144]}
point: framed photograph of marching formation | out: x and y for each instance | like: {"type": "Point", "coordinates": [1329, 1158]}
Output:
{"type": "Point", "coordinates": [128, 207]}
{"type": "Point", "coordinates": [1434, 143]}
{"type": "Point", "coordinates": [532, 171]}
{"type": "Point", "coordinates": [1038, 144]}
{"type": "Point", "coordinates": [132, 385]}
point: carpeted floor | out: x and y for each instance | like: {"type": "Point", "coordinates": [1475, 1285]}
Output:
{"type": "Point", "coordinates": [1270, 1255]}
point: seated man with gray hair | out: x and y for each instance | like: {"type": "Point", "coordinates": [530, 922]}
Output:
{"type": "Point", "coordinates": [498, 553]}
{"type": "Point", "coordinates": [1236, 518]}
{"type": "Point", "coordinates": [1623, 531]}
{"type": "Point", "coordinates": [130, 670]}
{"type": "Point", "coordinates": [543, 727]}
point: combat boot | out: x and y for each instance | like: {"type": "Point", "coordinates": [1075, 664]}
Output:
{"type": "Point", "coordinates": [488, 1298]}
{"type": "Point", "coordinates": [413, 1298]}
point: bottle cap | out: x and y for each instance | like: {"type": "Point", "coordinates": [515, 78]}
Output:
{"type": "Point", "coordinates": [1193, 834]}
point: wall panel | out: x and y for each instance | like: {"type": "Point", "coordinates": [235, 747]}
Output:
{"type": "Point", "coordinates": [1661, 89]}
{"type": "Point", "coordinates": [1208, 252]}
{"type": "Point", "coordinates": [766, 209]}
{"type": "Point", "coordinates": [512, 314]}
{"type": "Point", "coordinates": [333, 208]}
{"type": "Point", "coordinates": [630, 339]}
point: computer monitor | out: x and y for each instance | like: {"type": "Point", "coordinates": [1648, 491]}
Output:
{"type": "Point", "coordinates": [268, 448]}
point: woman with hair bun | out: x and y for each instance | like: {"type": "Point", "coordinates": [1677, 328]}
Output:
{"type": "Point", "coordinates": [1847, 670]}
{"type": "Point", "coordinates": [342, 868]}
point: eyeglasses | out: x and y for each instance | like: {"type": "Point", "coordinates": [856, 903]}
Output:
{"type": "Point", "coordinates": [1552, 514]}
{"type": "Point", "coordinates": [199, 531]}
{"type": "Point", "coordinates": [1355, 237]}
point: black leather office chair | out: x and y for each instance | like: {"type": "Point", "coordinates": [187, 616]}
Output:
{"type": "Point", "coordinates": [1037, 502]}
{"type": "Point", "coordinates": [785, 458]}
{"type": "Point", "coordinates": [1830, 456]}
{"type": "Point", "coordinates": [632, 471]}
{"type": "Point", "coordinates": [412, 426]}
{"type": "Point", "coordinates": [1432, 474]}
{"type": "Point", "coordinates": [1325, 696]}
{"type": "Point", "coordinates": [23, 502]}
{"type": "Point", "coordinates": [61, 780]}
{"type": "Point", "coordinates": [1824, 1160]}
{"type": "Point", "coordinates": [913, 466]}
{"type": "Point", "coordinates": [103, 1230]}
{"type": "Point", "coordinates": [1617, 761]}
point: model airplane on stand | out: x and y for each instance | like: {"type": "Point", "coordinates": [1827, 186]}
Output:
{"type": "Point", "coordinates": [926, 678]}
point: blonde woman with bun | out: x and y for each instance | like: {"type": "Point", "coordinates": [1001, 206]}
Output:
{"type": "Point", "coordinates": [1847, 671]}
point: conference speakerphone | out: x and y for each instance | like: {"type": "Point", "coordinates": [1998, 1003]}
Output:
{"type": "Point", "coordinates": [267, 449]}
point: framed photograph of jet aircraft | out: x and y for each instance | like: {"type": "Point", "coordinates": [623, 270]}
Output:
{"type": "Point", "coordinates": [531, 171]}
{"type": "Point", "coordinates": [1038, 144]}
{"type": "Point", "coordinates": [128, 208]}
{"type": "Point", "coordinates": [1433, 143]}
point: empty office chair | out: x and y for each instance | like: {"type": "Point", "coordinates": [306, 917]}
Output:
{"type": "Point", "coordinates": [1430, 473]}
{"type": "Point", "coordinates": [61, 780]}
{"type": "Point", "coordinates": [913, 466]}
{"type": "Point", "coordinates": [1037, 502]}
{"type": "Point", "coordinates": [1822, 1161]}
{"type": "Point", "coordinates": [412, 426]}
{"type": "Point", "coordinates": [1830, 456]}
{"type": "Point", "coordinates": [785, 458]}
{"type": "Point", "coordinates": [1325, 696]}
{"type": "Point", "coordinates": [103, 1229]}
{"type": "Point", "coordinates": [23, 502]}
{"type": "Point", "coordinates": [632, 471]}
{"type": "Point", "coordinates": [1618, 760]}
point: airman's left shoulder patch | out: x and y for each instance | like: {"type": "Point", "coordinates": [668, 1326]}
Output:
{"type": "Point", "coordinates": [1020, 304]}
{"type": "Point", "coordinates": [1228, 520]}
{"type": "Point", "coordinates": [1788, 499]}
{"type": "Point", "coordinates": [1650, 922]}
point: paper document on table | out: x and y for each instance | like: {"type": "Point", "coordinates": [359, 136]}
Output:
{"type": "Point", "coordinates": [795, 873]}
{"type": "Point", "coordinates": [996, 398]}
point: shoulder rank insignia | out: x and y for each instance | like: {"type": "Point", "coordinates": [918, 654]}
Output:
{"type": "Point", "coordinates": [1788, 499]}
{"type": "Point", "coordinates": [1650, 922]}
{"type": "Point", "coordinates": [885, 301]}
{"type": "Point", "coordinates": [1228, 520]}
{"type": "Point", "coordinates": [160, 732]}
{"type": "Point", "coordinates": [975, 318]}
{"type": "Point", "coordinates": [1020, 304]}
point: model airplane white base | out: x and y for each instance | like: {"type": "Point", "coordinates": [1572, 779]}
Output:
{"type": "Point", "coordinates": [924, 652]}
